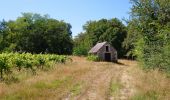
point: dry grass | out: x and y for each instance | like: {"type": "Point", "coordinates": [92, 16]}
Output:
{"type": "Point", "coordinates": [82, 80]}
{"type": "Point", "coordinates": [45, 85]}
{"type": "Point", "coordinates": [150, 85]}
{"type": "Point", "coordinates": [115, 88]}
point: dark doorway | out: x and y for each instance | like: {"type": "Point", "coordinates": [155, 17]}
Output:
{"type": "Point", "coordinates": [108, 56]}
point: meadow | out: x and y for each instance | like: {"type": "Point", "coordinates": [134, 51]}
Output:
{"type": "Point", "coordinates": [80, 79]}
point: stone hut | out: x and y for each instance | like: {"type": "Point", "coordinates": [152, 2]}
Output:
{"type": "Point", "coordinates": [104, 51]}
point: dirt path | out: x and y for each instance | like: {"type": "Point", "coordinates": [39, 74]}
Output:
{"type": "Point", "coordinates": [98, 87]}
{"type": "Point", "coordinates": [98, 80]}
{"type": "Point", "coordinates": [127, 89]}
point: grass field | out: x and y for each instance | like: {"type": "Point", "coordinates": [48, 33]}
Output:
{"type": "Point", "coordinates": [85, 80]}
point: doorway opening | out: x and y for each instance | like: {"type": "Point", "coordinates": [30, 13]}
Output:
{"type": "Point", "coordinates": [107, 56]}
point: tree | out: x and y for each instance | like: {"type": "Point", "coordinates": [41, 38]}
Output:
{"type": "Point", "coordinates": [3, 35]}
{"type": "Point", "coordinates": [38, 34]}
{"type": "Point", "coordinates": [131, 38]}
{"type": "Point", "coordinates": [112, 31]}
{"type": "Point", "coordinates": [153, 29]}
{"type": "Point", "coordinates": [81, 44]}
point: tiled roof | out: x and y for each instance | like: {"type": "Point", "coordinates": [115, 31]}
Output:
{"type": "Point", "coordinates": [97, 47]}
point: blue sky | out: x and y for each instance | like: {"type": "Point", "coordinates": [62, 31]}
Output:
{"type": "Point", "coordinates": [75, 12]}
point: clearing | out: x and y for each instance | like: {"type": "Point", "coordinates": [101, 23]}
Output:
{"type": "Point", "coordinates": [85, 80]}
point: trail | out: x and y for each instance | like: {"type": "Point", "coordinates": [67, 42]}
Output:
{"type": "Point", "coordinates": [98, 82]}
{"type": "Point", "coordinates": [128, 88]}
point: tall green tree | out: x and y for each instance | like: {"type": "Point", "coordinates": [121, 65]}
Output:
{"type": "Point", "coordinates": [153, 29]}
{"type": "Point", "coordinates": [131, 39]}
{"type": "Point", "coordinates": [3, 35]}
{"type": "Point", "coordinates": [112, 31]}
{"type": "Point", "coordinates": [38, 34]}
{"type": "Point", "coordinates": [82, 44]}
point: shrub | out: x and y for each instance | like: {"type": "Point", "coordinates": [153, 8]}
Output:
{"type": "Point", "coordinates": [93, 58]}
{"type": "Point", "coordinates": [27, 61]}
{"type": "Point", "coordinates": [79, 51]}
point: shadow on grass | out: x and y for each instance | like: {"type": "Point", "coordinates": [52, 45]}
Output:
{"type": "Point", "coordinates": [119, 63]}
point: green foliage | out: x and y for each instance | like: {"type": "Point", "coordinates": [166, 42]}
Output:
{"type": "Point", "coordinates": [112, 31]}
{"type": "Point", "coordinates": [11, 61]}
{"type": "Point", "coordinates": [4, 64]}
{"type": "Point", "coordinates": [36, 34]}
{"type": "Point", "coordinates": [131, 39]}
{"type": "Point", "coordinates": [81, 44]}
{"type": "Point", "coordinates": [150, 28]}
{"type": "Point", "coordinates": [80, 50]}
{"type": "Point", "coordinates": [93, 58]}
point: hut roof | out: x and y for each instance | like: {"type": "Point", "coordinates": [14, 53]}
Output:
{"type": "Point", "coordinates": [97, 47]}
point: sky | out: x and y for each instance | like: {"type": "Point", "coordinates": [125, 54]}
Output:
{"type": "Point", "coordinates": [75, 12]}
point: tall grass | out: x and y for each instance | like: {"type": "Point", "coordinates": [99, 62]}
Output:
{"type": "Point", "coordinates": [151, 85]}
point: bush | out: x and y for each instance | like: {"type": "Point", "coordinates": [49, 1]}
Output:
{"type": "Point", "coordinates": [12, 61]}
{"type": "Point", "coordinates": [79, 51]}
{"type": "Point", "coordinates": [93, 58]}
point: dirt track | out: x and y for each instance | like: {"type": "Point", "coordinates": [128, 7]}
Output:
{"type": "Point", "coordinates": [98, 80]}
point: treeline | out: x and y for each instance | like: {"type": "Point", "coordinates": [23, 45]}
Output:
{"type": "Point", "coordinates": [35, 34]}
